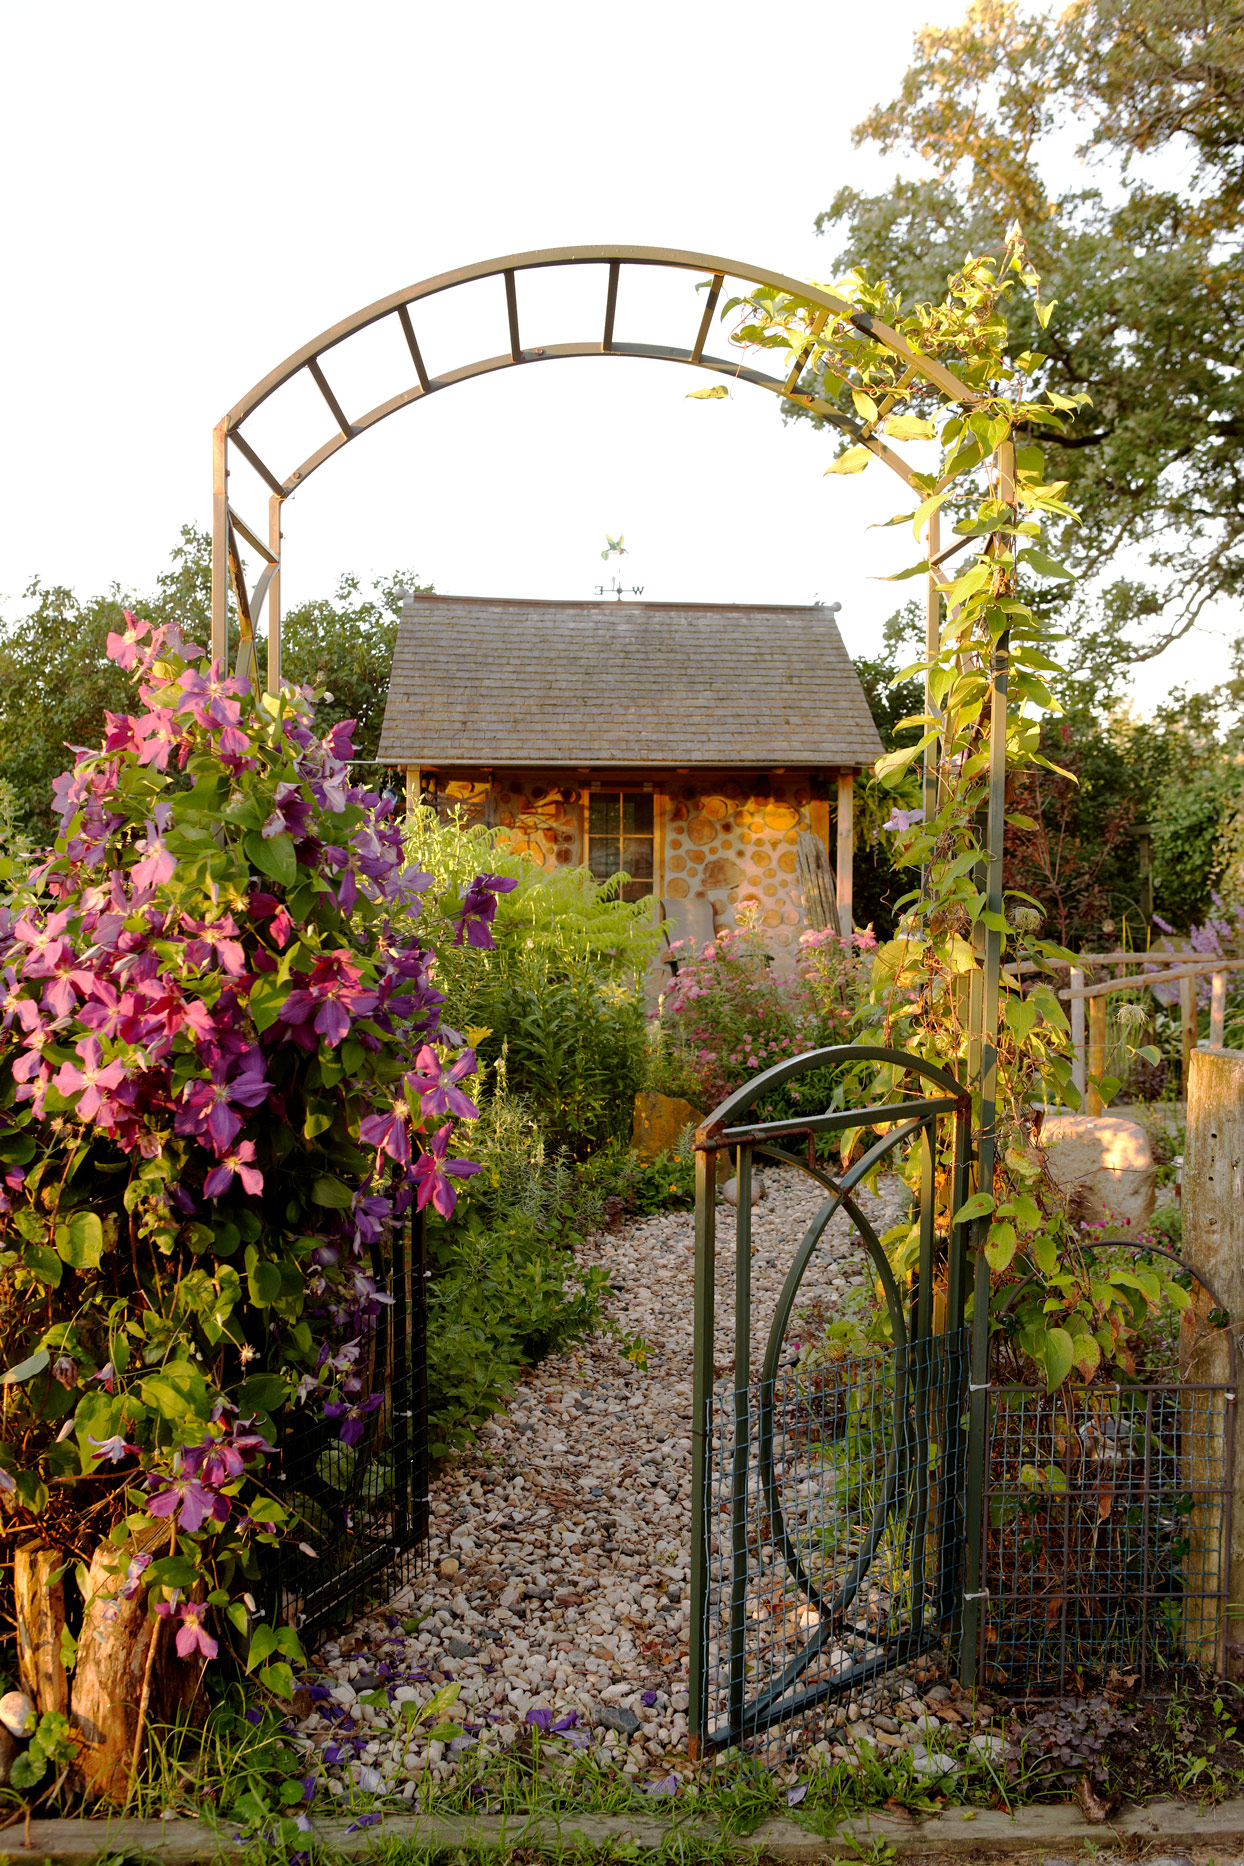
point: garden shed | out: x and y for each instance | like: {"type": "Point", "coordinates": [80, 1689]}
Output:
{"type": "Point", "coordinates": [688, 744]}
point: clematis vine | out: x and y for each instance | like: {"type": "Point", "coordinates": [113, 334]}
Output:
{"type": "Point", "coordinates": [223, 1083]}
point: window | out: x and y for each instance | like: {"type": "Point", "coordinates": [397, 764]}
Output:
{"type": "Point", "coordinates": [620, 836]}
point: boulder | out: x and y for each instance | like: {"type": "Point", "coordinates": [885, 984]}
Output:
{"type": "Point", "coordinates": [1105, 1165]}
{"type": "Point", "coordinates": [658, 1121]}
{"type": "Point", "coordinates": [730, 1191]}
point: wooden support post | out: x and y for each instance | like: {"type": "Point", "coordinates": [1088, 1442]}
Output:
{"type": "Point", "coordinates": [414, 789]}
{"type": "Point", "coordinates": [220, 547]}
{"type": "Point", "coordinates": [846, 850]}
{"type": "Point", "coordinates": [1217, 1010]}
{"type": "Point", "coordinates": [1213, 1245]}
{"type": "Point", "coordinates": [1187, 1020]}
{"type": "Point", "coordinates": [274, 596]}
{"type": "Point", "coordinates": [1096, 1050]}
{"type": "Point", "coordinates": [1078, 1072]}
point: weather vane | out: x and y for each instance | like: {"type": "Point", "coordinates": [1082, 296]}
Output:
{"type": "Point", "coordinates": [614, 547]}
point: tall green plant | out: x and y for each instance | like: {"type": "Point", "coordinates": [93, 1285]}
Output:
{"type": "Point", "coordinates": [561, 991]}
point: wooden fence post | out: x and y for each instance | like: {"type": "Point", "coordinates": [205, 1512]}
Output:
{"type": "Point", "coordinates": [1217, 1010]}
{"type": "Point", "coordinates": [1213, 1244]}
{"type": "Point", "coordinates": [1096, 1050]}
{"type": "Point", "coordinates": [1187, 1019]}
{"type": "Point", "coordinates": [1078, 1073]}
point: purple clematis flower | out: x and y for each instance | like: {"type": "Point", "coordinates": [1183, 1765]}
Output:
{"type": "Point", "coordinates": [436, 1083]}
{"type": "Point", "coordinates": [291, 813]}
{"type": "Point", "coordinates": [389, 1132]}
{"type": "Point", "coordinates": [352, 1416]}
{"type": "Point", "coordinates": [902, 819]}
{"type": "Point", "coordinates": [432, 1172]}
{"type": "Point", "coordinates": [193, 1501]}
{"type": "Point", "coordinates": [208, 1107]}
{"type": "Point", "coordinates": [479, 909]}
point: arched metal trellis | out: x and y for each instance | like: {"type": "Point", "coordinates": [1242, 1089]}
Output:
{"type": "Point", "coordinates": [234, 536]}
{"type": "Point", "coordinates": [232, 533]}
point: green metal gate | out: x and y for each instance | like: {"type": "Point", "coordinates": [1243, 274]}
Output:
{"type": "Point", "coordinates": [836, 1526]}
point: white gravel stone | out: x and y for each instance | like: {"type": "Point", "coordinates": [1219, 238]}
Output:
{"type": "Point", "coordinates": [568, 1585]}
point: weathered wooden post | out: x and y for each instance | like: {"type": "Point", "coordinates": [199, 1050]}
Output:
{"type": "Point", "coordinates": [1078, 1071]}
{"type": "Point", "coordinates": [1187, 1022]}
{"type": "Point", "coordinates": [1217, 1010]}
{"type": "Point", "coordinates": [1213, 1246]}
{"type": "Point", "coordinates": [1096, 1051]}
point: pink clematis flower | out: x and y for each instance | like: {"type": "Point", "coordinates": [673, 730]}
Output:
{"type": "Point", "coordinates": [432, 1171]}
{"type": "Point", "coordinates": [237, 1162]}
{"type": "Point", "coordinates": [123, 649]}
{"type": "Point", "coordinates": [156, 864]}
{"type": "Point", "coordinates": [192, 1635]}
{"type": "Point", "coordinates": [436, 1083]}
{"type": "Point", "coordinates": [88, 1081]}
{"type": "Point", "coordinates": [158, 732]}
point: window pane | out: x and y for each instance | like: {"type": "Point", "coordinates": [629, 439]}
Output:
{"type": "Point", "coordinates": [636, 890]}
{"type": "Point", "coordinates": [604, 814]}
{"type": "Point", "coordinates": [637, 857]}
{"type": "Point", "coordinates": [603, 856]}
{"type": "Point", "coordinates": [637, 815]}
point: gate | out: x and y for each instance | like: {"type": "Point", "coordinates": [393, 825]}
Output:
{"type": "Point", "coordinates": [847, 1518]}
{"type": "Point", "coordinates": [832, 1531]}
{"type": "Point", "coordinates": [362, 1511]}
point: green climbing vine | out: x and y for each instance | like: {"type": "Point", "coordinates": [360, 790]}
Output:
{"type": "Point", "coordinates": [943, 380]}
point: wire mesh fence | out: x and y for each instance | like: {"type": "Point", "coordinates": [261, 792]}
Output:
{"type": "Point", "coordinates": [1107, 1525]}
{"type": "Point", "coordinates": [363, 1508]}
{"type": "Point", "coordinates": [835, 1505]}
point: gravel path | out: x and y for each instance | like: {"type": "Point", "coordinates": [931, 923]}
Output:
{"type": "Point", "coordinates": [560, 1545]}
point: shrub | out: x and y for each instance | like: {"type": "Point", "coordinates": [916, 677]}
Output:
{"type": "Point", "coordinates": [505, 1288]}
{"type": "Point", "coordinates": [222, 1080]}
{"type": "Point", "coordinates": [727, 1015]}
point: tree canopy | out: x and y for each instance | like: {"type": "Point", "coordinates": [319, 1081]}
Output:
{"type": "Point", "coordinates": [1144, 259]}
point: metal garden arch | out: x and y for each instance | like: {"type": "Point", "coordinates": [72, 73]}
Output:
{"type": "Point", "coordinates": [233, 536]}
{"type": "Point", "coordinates": [231, 532]}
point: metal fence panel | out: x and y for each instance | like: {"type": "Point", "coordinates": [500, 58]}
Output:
{"type": "Point", "coordinates": [835, 1506]}
{"type": "Point", "coordinates": [1107, 1532]}
{"type": "Point", "coordinates": [362, 1509]}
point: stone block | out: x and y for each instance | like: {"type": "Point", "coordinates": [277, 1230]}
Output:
{"type": "Point", "coordinates": [658, 1121]}
{"type": "Point", "coordinates": [1105, 1165]}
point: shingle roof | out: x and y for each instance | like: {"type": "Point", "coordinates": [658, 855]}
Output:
{"type": "Point", "coordinates": [491, 681]}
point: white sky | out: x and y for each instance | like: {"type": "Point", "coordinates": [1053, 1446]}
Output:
{"type": "Point", "coordinates": [192, 191]}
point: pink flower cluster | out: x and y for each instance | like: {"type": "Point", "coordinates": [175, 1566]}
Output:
{"type": "Point", "coordinates": [212, 999]}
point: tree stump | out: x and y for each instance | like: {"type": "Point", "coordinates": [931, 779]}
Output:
{"type": "Point", "coordinates": [39, 1609]}
{"type": "Point", "coordinates": [122, 1679]}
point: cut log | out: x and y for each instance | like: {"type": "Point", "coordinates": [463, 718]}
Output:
{"type": "Point", "coordinates": [39, 1609]}
{"type": "Point", "coordinates": [108, 1680]}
